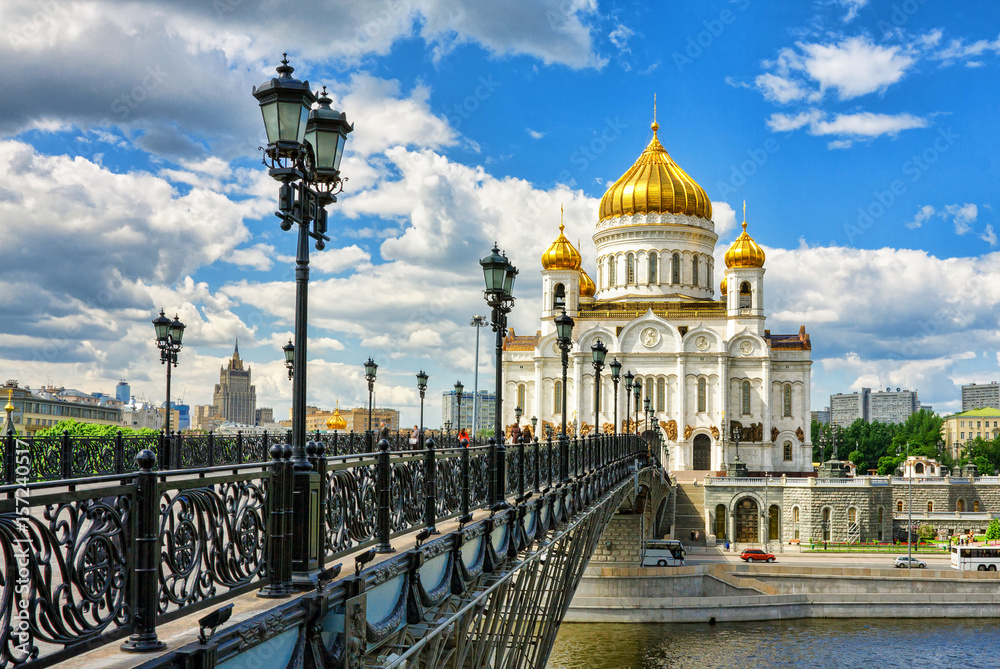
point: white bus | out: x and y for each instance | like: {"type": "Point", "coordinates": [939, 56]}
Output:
{"type": "Point", "coordinates": [975, 558]}
{"type": "Point", "coordinates": [663, 553]}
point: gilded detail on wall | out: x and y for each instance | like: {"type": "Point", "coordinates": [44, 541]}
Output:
{"type": "Point", "coordinates": [774, 434]}
{"type": "Point", "coordinates": [670, 427]}
{"type": "Point", "coordinates": [715, 432]}
{"type": "Point", "coordinates": [687, 432]}
{"type": "Point", "coordinates": [751, 432]}
{"type": "Point", "coordinates": [801, 435]}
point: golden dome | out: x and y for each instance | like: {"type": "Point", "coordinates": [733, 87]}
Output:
{"type": "Point", "coordinates": [587, 286]}
{"type": "Point", "coordinates": [745, 252]}
{"type": "Point", "coordinates": [561, 255]}
{"type": "Point", "coordinates": [655, 184]}
{"type": "Point", "coordinates": [724, 286]}
{"type": "Point", "coordinates": [336, 421]}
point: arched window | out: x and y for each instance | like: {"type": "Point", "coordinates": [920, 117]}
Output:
{"type": "Point", "coordinates": [675, 268]}
{"type": "Point", "coordinates": [745, 301]}
{"type": "Point", "coordinates": [772, 523]}
{"type": "Point", "coordinates": [653, 276]}
{"type": "Point", "coordinates": [630, 263]}
{"type": "Point", "coordinates": [521, 395]}
{"type": "Point", "coordinates": [795, 522]}
{"type": "Point", "coordinates": [786, 401]}
{"type": "Point", "coordinates": [899, 506]}
{"type": "Point", "coordinates": [702, 395]}
{"type": "Point", "coordinates": [930, 507]}
{"type": "Point", "coordinates": [880, 523]}
{"type": "Point", "coordinates": [661, 395]}
{"type": "Point", "coordinates": [961, 505]}
{"type": "Point", "coordinates": [559, 297]}
{"type": "Point", "coordinates": [919, 468]}
{"type": "Point", "coordinates": [694, 270]}
{"type": "Point", "coordinates": [975, 506]}
{"type": "Point", "coordinates": [745, 398]}
{"type": "Point", "coordinates": [826, 524]}
{"type": "Point", "coordinates": [612, 271]}
{"type": "Point", "coordinates": [557, 398]}
{"type": "Point", "coordinates": [649, 391]}
{"type": "Point", "coordinates": [720, 522]}
{"type": "Point", "coordinates": [787, 451]}
{"type": "Point", "coordinates": [852, 515]}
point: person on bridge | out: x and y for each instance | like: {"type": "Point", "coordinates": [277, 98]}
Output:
{"type": "Point", "coordinates": [463, 435]}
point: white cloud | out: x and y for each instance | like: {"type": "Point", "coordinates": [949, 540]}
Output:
{"type": "Point", "coordinates": [724, 218]}
{"type": "Point", "coordinates": [853, 7]}
{"type": "Point", "coordinates": [958, 50]}
{"type": "Point", "coordinates": [781, 89]}
{"type": "Point", "coordinates": [963, 216]}
{"type": "Point", "coordinates": [840, 144]}
{"type": "Point", "coordinates": [535, 134]}
{"type": "Point", "coordinates": [620, 37]}
{"type": "Point", "coordinates": [337, 260]}
{"type": "Point", "coordinates": [786, 122]}
{"type": "Point", "coordinates": [989, 236]}
{"type": "Point", "coordinates": [922, 216]}
{"type": "Point", "coordinates": [258, 256]}
{"type": "Point", "coordinates": [849, 127]}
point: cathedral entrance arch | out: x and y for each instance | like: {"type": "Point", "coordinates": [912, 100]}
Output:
{"type": "Point", "coordinates": [747, 517]}
{"type": "Point", "coordinates": [702, 452]}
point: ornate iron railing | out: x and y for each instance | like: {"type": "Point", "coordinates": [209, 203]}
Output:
{"type": "Point", "coordinates": [84, 560]}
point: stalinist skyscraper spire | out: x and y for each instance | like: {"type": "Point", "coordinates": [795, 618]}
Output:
{"type": "Point", "coordinates": [235, 399]}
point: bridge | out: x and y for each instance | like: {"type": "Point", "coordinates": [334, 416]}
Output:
{"type": "Point", "coordinates": [458, 555]}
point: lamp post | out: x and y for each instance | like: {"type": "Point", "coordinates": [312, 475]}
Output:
{"type": "Point", "coordinates": [647, 410]}
{"type": "Point", "coordinates": [447, 427]}
{"type": "Point", "coordinates": [616, 371]}
{"type": "Point", "coordinates": [478, 322]}
{"type": "Point", "coordinates": [169, 338]}
{"type": "Point", "coordinates": [422, 387]}
{"type": "Point", "coordinates": [304, 148]}
{"type": "Point", "coordinates": [909, 508]}
{"type": "Point", "coordinates": [518, 412]}
{"type": "Point", "coordinates": [534, 426]}
{"type": "Point", "coordinates": [637, 393]}
{"type": "Point", "coordinates": [303, 154]}
{"type": "Point", "coordinates": [599, 352]}
{"type": "Point", "coordinates": [499, 274]}
{"type": "Point", "coordinates": [289, 351]}
{"type": "Point", "coordinates": [564, 338]}
{"type": "Point", "coordinates": [371, 371]}
{"type": "Point", "coordinates": [459, 389]}
{"type": "Point", "coordinates": [629, 379]}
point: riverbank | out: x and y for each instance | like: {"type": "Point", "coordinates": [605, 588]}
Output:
{"type": "Point", "coordinates": [740, 592]}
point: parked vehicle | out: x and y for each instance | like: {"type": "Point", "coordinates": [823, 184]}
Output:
{"type": "Point", "coordinates": [756, 555]}
{"type": "Point", "coordinates": [909, 562]}
{"type": "Point", "coordinates": [976, 557]}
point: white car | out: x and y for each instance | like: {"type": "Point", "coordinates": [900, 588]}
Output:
{"type": "Point", "coordinates": [910, 562]}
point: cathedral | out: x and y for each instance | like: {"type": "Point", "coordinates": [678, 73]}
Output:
{"type": "Point", "coordinates": [710, 368]}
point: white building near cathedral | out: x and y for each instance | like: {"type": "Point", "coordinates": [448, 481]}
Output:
{"type": "Point", "coordinates": [703, 362]}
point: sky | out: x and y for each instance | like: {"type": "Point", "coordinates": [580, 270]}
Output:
{"type": "Point", "coordinates": [859, 133]}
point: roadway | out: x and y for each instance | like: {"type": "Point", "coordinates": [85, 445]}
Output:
{"type": "Point", "coordinates": [857, 560]}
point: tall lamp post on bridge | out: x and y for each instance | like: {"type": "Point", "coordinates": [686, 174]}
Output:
{"type": "Point", "coordinates": [459, 390]}
{"type": "Point", "coordinates": [637, 393]}
{"type": "Point", "coordinates": [499, 274]}
{"type": "Point", "coordinates": [371, 372]}
{"type": "Point", "coordinates": [616, 371]}
{"type": "Point", "coordinates": [599, 352]}
{"type": "Point", "coordinates": [289, 351]}
{"type": "Point", "coordinates": [304, 148]}
{"type": "Point", "coordinates": [647, 410]}
{"type": "Point", "coordinates": [564, 338]}
{"type": "Point", "coordinates": [422, 387]}
{"type": "Point", "coordinates": [169, 338]}
{"type": "Point", "coordinates": [629, 378]}
{"type": "Point", "coordinates": [478, 322]}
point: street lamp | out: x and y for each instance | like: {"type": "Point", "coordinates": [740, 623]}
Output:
{"type": "Point", "coordinates": [371, 370]}
{"type": "Point", "coordinates": [564, 338]}
{"type": "Point", "coordinates": [647, 410]}
{"type": "Point", "coordinates": [637, 393]}
{"type": "Point", "coordinates": [169, 336]}
{"type": "Point", "coordinates": [534, 426]}
{"type": "Point", "coordinates": [737, 434]}
{"type": "Point", "coordinates": [289, 350]}
{"type": "Point", "coordinates": [459, 388]}
{"type": "Point", "coordinates": [629, 381]}
{"type": "Point", "coordinates": [499, 274]}
{"type": "Point", "coordinates": [422, 387]}
{"type": "Point", "coordinates": [616, 371]}
{"type": "Point", "coordinates": [304, 148]}
{"type": "Point", "coordinates": [478, 322]}
{"type": "Point", "coordinates": [599, 352]}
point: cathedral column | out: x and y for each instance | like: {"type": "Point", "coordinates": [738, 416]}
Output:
{"type": "Point", "coordinates": [767, 459]}
{"type": "Point", "coordinates": [718, 454]}
{"type": "Point", "coordinates": [683, 447]}
{"type": "Point", "coordinates": [578, 362]}
{"type": "Point", "coordinates": [537, 400]}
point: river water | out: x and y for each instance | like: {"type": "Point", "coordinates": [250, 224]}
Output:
{"type": "Point", "coordinates": [863, 643]}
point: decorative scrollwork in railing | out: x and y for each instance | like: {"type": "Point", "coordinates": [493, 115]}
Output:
{"type": "Point", "coordinates": [212, 539]}
{"type": "Point", "coordinates": [351, 505]}
{"type": "Point", "coordinates": [406, 494]}
{"type": "Point", "coordinates": [93, 456]}
{"type": "Point", "coordinates": [529, 467]}
{"type": "Point", "coordinates": [513, 457]}
{"type": "Point", "coordinates": [479, 473]}
{"type": "Point", "coordinates": [449, 485]}
{"type": "Point", "coordinates": [255, 448]}
{"type": "Point", "coordinates": [194, 451]}
{"type": "Point", "coordinates": [46, 458]}
{"type": "Point", "coordinates": [132, 445]}
{"type": "Point", "coordinates": [65, 576]}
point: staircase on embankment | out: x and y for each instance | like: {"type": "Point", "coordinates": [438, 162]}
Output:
{"type": "Point", "coordinates": [689, 513]}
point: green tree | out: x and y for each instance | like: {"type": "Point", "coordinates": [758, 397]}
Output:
{"type": "Point", "coordinates": [78, 429]}
{"type": "Point", "coordinates": [993, 530]}
{"type": "Point", "coordinates": [887, 465]}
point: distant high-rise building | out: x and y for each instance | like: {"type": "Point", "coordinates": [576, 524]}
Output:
{"type": "Point", "coordinates": [235, 399]}
{"type": "Point", "coordinates": [123, 392]}
{"type": "Point", "coordinates": [889, 406]}
{"type": "Point", "coordinates": [981, 396]}
{"type": "Point", "coordinates": [263, 415]}
{"type": "Point", "coordinates": [821, 416]}
{"type": "Point", "coordinates": [487, 410]}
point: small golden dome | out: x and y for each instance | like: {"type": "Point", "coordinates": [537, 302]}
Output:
{"type": "Point", "coordinates": [655, 184]}
{"type": "Point", "coordinates": [587, 286]}
{"type": "Point", "coordinates": [745, 252]}
{"type": "Point", "coordinates": [336, 421]}
{"type": "Point", "coordinates": [562, 254]}
{"type": "Point", "coordinates": [724, 286]}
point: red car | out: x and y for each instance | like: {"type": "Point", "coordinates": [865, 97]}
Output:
{"type": "Point", "coordinates": [756, 555]}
